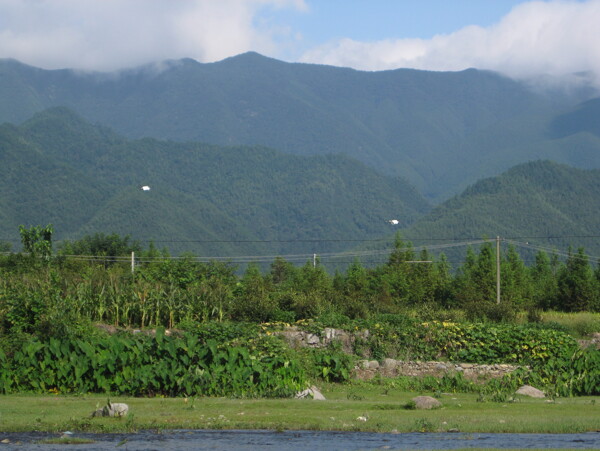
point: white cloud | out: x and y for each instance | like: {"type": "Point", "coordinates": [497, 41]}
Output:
{"type": "Point", "coordinates": [537, 38]}
{"type": "Point", "coordinates": [112, 34]}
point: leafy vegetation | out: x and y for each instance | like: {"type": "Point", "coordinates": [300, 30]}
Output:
{"type": "Point", "coordinates": [48, 306]}
{"type": "Point", "coordinates": [143, 365]}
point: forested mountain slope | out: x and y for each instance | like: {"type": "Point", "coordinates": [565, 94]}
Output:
{"type": "Point", "coordinates": [440, 130]}
{"type": "Point", "coordinates": [540, 202]}
{"type": "Point", "coordinates": [57, 168]}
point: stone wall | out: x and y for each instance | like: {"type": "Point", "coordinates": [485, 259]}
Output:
{"type": "Point", "coordinates": [300, 338]}
{"type": "Point", "coordinates": [367, 369]}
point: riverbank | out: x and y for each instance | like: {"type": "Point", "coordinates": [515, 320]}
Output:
{"type": "Point", "coordinates": [244, 440]}
{"type": "Point", "coordinates": [349, 407]}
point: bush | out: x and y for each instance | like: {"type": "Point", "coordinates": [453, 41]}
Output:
{"type": "Point", "coordinates": [499, 343]}
{"type": "Point", "coordinates": [577, 374]}
{"type": "Point", "coordinates": [332, 365]}
{"type": "Point", "coordinates": [146, 366]}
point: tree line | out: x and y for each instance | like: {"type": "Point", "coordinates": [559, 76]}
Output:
{"type": "Point", "coordinates": [44, 290]}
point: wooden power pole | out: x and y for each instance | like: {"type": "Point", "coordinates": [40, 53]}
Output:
{"type": "Point", "coordinates": [497, 270]}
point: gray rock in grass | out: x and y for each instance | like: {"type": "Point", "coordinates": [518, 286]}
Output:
{"type": "Point", "coordinates": [426, 402]}
{"type": "Point", "coordinates": [528, 390]}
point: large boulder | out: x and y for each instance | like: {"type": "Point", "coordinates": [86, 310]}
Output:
{"type": "Point", "coordinates": [528, 390]}
{"type": "Point", "coordinates": [426, 402]}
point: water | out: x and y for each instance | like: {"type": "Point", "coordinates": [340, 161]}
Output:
{"type": "Point", "coordinates": [300, 441]}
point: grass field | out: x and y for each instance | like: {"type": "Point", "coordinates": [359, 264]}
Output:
{"type": "Point", "coordinates": [579, 324]}
{"type": "Point", "coordinates": [383, 410]}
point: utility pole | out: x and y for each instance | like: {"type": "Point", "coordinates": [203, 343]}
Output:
{"type": "Point", "coordinates": [314, 260]}
{"type": "Point", "coordinates": [497, 270]}
{"type": "Point", "coordinates": [132, 262]}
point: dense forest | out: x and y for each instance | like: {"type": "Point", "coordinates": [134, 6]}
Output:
{"type": "Point", "coordinates": [441, 131]}
{"type": "Point", "coordinates": [216, 201]}
{"type": "Point", "coordinates": [540, 202]}
{"type": "Point", "coordinates": [235, 201]}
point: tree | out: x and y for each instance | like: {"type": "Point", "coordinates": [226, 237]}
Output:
{"type": "Point", "coordinates": [577, 286]}
{"type": "Point", "coordinates": [102, 245]}
{"type": "Point", "coordinates": [516, 286]}
{"type": "Point", "coordinates": [282, 271]}
{"type": "Point", "coordinates": [476, 282]}
{"type": "Point", "coordinates": [443, 288]}
{"type": "Point", "coordinates": [396, 276]}
{"type": "Point", "coordinates": [422, 280]}
{"type": "Point", "coordinates": [37, 240]}
{"type": "Point", "coordinates": [545, 287]}
{"type": "Point", "coordinates": [254, 301]}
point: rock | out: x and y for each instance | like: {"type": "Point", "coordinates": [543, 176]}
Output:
{"type": "Point", "coordinates": [116, 409]}
{"type": "Point", "coordinates": [362, 364]}
{"type": "Point", "coordinates": [107, 328]}
{"type": "Point", "coordinates": [330, 333]}
{"type": "Point", "coordinates": [373, 365]}
{"type": "Point", "coordinates": [528, 390]}
{"type": "Point", "coordinates": [313, 392]}
{"type": "Point", "coordinates": [426, 402]}
{"type": "Point", "coordinates": [312, 339]}
{"type": "Point", "coordinates": [364, 419]}
{"type": "Point", "coordinates": [390, 364]}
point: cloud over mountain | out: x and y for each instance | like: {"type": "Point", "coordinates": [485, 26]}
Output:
{"type": "Point", "coordinates": [537, 38]}
{"type": "Point", "coordinates": [112, 34]}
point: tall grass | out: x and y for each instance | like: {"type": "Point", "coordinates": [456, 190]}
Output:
{"type": "Point", "coordinates": [580, 324]}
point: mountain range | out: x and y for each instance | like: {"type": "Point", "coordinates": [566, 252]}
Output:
{"type": "Point", "coordinates": [441, 131]}
{"type": "Point", "coordinates": [254, 156]}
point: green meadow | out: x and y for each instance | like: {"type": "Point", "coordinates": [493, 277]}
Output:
{"type": "Point", "coordinates": [346, 408]}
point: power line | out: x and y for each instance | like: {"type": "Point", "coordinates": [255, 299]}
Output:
{"type": "Point", "coordinates": [550, 250]}
{"type": "Point", "coordinates": [337, 240]}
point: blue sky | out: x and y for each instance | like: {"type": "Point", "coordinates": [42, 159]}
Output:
{"type": "Point", "coordinates": [371, 20]}
{"type": "Point", "coordinates": [525, 39]}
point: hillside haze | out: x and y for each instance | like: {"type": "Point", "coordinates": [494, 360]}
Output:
{"type": "Point", "coordinates": [439, 130]}
{"type": "Point", "coordinates": [214, 201]}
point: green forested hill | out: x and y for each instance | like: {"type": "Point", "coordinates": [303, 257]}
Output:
{"type": "Point", "coordinates": [540, 202]}
{"type": "Point", "coordinates": [57, 168]}
{"type": "Point", "coordinates": [440, 130]}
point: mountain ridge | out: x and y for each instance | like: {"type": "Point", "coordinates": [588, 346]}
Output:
{"type": "Point", "coordinates": [59, 169]}
{"type": "Point", "coordinates": [427, 127]}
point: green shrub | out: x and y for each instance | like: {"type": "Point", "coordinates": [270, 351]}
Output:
{"type": "Point", "coordinates": [577, 374]}
{"type": "Point", "coordinates": [145, 366]}
{"type": "Point", "coordinates": [332, 365]}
